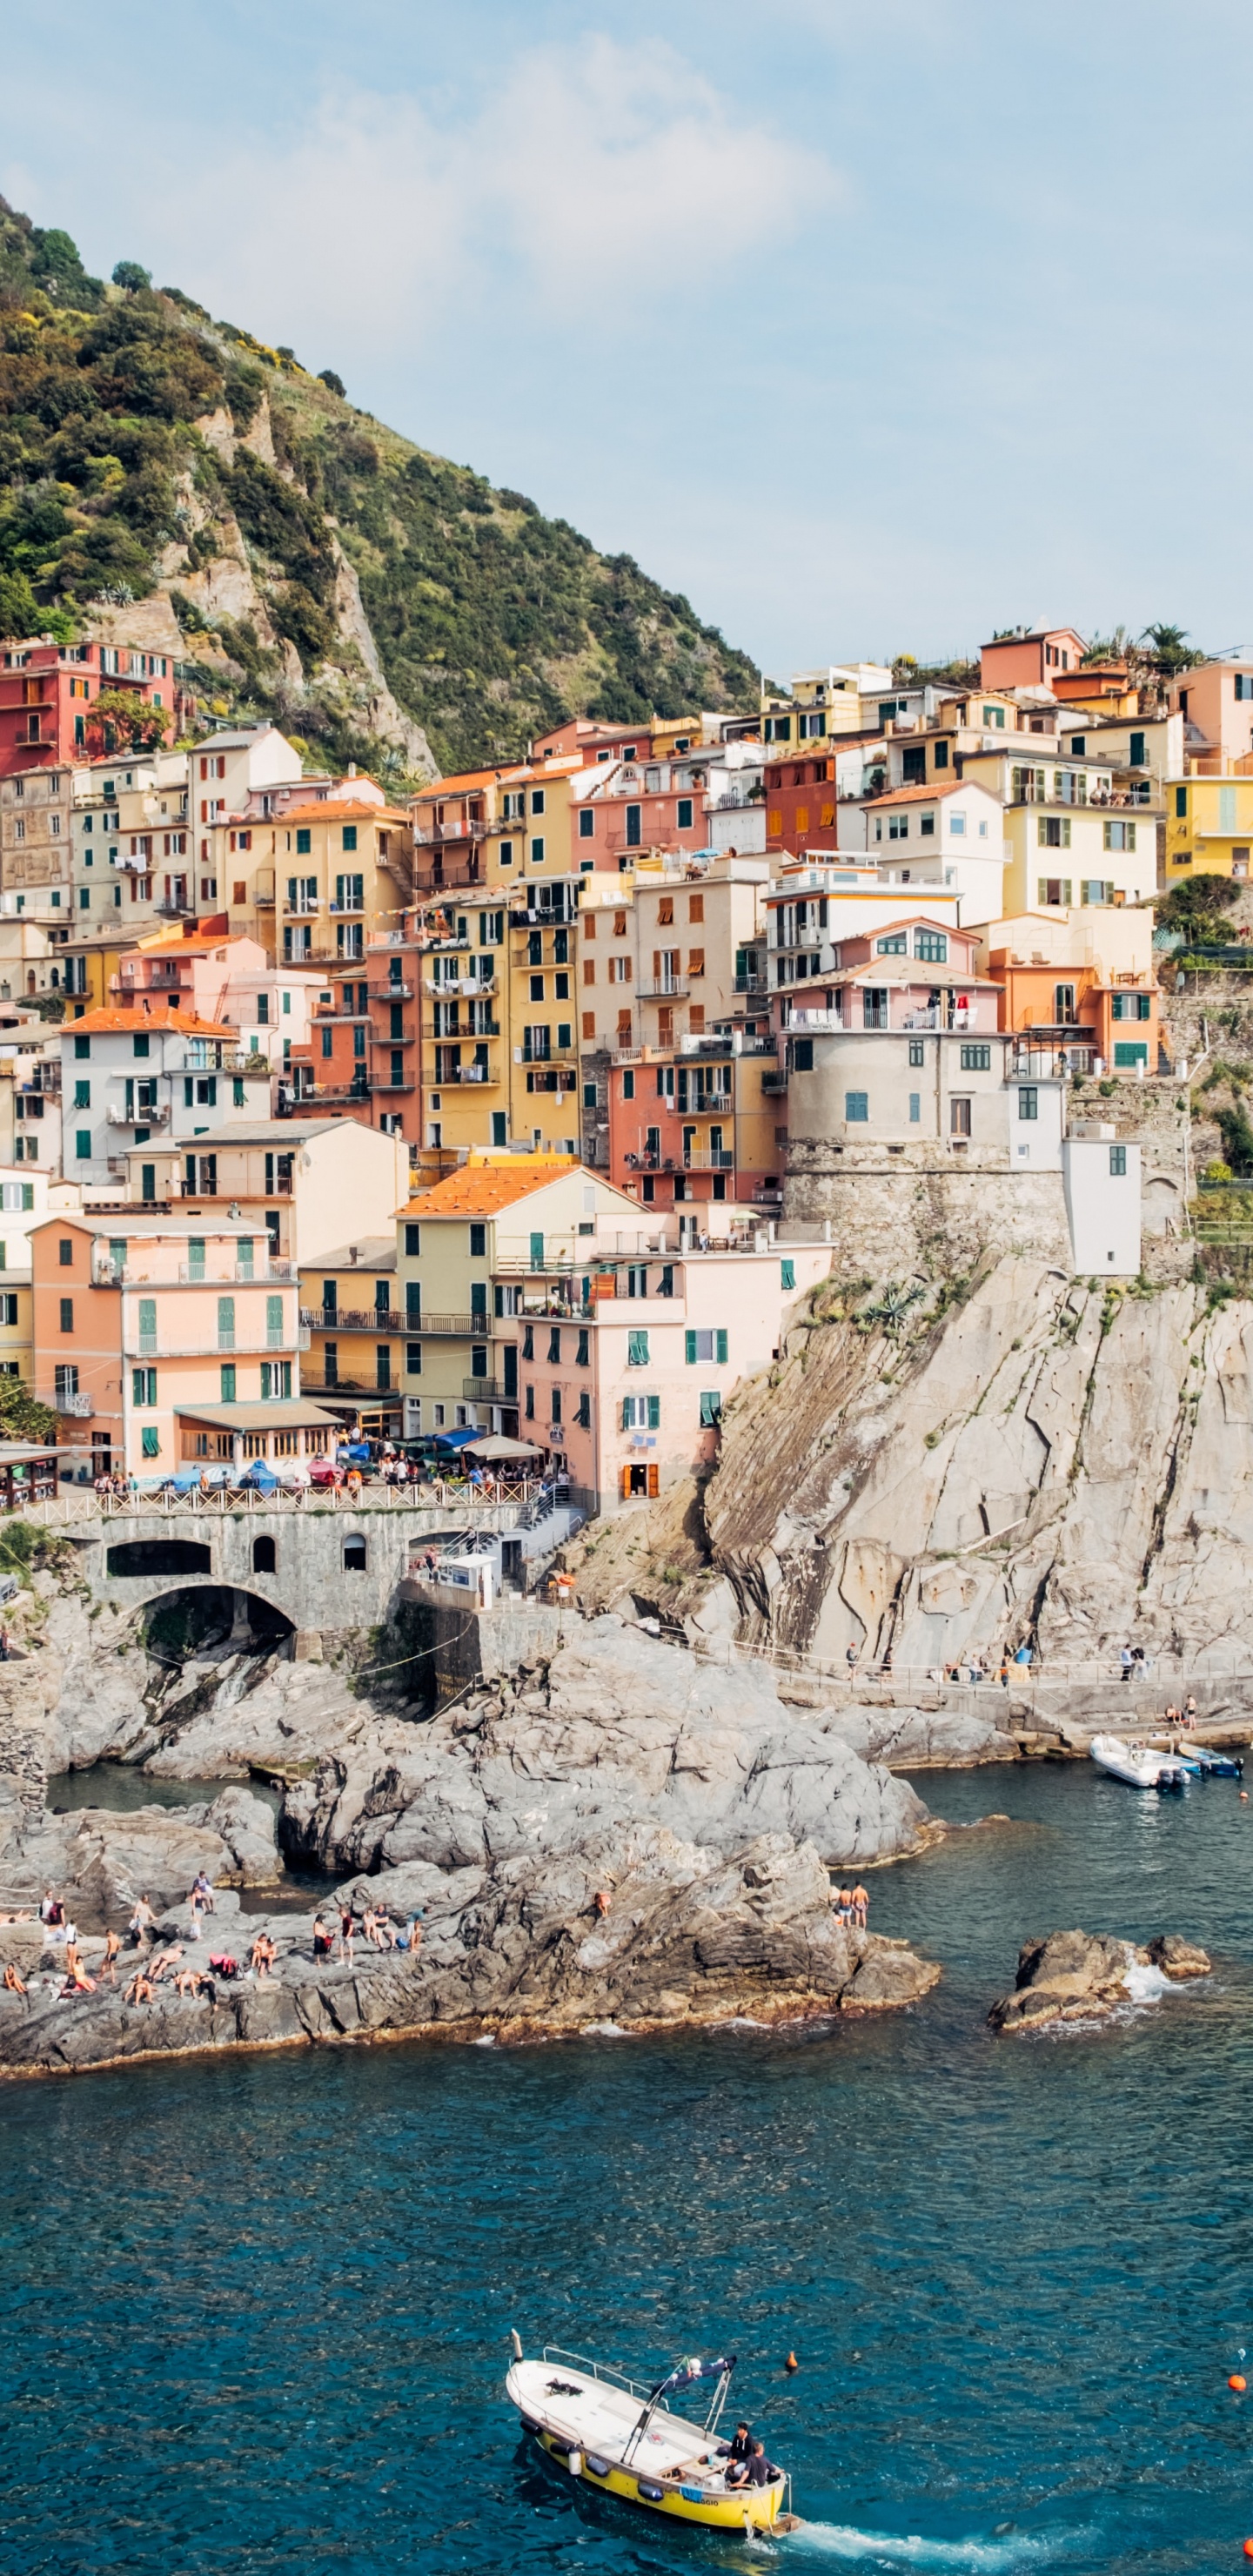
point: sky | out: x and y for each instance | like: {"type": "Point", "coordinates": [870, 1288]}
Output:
{"type": "Point", "coordinates": [871, 329]}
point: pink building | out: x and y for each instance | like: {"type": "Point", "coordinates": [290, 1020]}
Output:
{"type": "Point", "coordinates": [635, 805]}
{"type": "Point", "coordinates": [164, 1339]}
{"type": "Point", "coordinates": [201, 968]}
{"type": "Point", "coordinates": [916, 973]}
{"type": "Point", "coordinates": [625, 1385]}
{"type": "Point", "coordinates": [1030, 661]}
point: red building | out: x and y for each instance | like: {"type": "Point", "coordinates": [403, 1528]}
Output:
{"type": "Point", "coordinates": [801, 805]}
{"type": "Point", "coordinates": [700, 1124]}
{"type": "Point", "coordinates": [46, 691]}
{"type": "Point", "coordinates": [363, 1060]}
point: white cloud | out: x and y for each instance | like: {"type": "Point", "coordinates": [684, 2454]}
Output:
{"type": "Point", "coordinates": [596, 169]}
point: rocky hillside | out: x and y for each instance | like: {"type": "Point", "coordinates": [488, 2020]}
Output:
{"type": "Point", "coordinates": [1045, 1460]}
{"type": "Point", "coordinates": [379, 601]}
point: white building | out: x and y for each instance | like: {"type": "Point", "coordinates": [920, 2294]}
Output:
{"type": "Point", "coordinates": [1102, 1181]}
{"type": "Point", "coordinates": [129, 1076]}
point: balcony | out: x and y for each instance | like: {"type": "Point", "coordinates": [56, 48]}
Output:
{"type": "Point", "coordinates": [462, 1328]}
{"type": "Point", "coordinates": [391, 992]}
{"type": "Point", "coordinates": [488, 1390]}
{"type": "Point", "coordinates": [464, 988]}
{"type": "Point", "coordinates": [484, 1074]}
{"type": "Point", "coordinates": [407, 1037]}
{"type": "Point", "coordinates": [357, 1319]}
{"type": "Point", "coordinates": [194, 1274]}
{"type": "Point", "coordinates": [347, 911]}
{"type": "Point", "coordinates": [774, 1082]}
{"type": "Point", "coordinates": [429, 885]}
{"type": "Point", "coordinates": [80, 1406]}
{"type": "Point", "coordinates": [156, 1116]}
{"type": "Point", "coordinates": [700, 1160]}
{"type": "Point", "coordinates": [751, 984]}
{"type": "Point", "coordinates": [673, 989]}
{"type": "Point", "coordinates": [435, 835]}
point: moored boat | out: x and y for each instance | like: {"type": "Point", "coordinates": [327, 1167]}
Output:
{"type": "Point", "coordinates": [1138, 1764]}
{"type": "Point", "coordinates": [622, 2438]}
{"type": "Point", "coordinates": [1215, 1765]}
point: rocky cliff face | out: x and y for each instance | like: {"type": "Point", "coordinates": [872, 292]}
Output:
{"type": "Point", "coordinates": [1048, 1460]}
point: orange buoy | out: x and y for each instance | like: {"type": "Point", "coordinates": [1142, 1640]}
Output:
{"type": "Point", "coordinates": [791, 2363]}
{"type": "Point", "coordinates": [1248, 2549]}
{"type": "Point", "coordinates": [1238, 2382]}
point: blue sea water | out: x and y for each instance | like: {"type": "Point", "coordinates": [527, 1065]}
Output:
{"type": "Point", "coordinates": [256, 2311]}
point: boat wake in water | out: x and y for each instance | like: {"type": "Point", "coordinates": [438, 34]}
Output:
{"type": "Point", "coordinates": [997, 2556]}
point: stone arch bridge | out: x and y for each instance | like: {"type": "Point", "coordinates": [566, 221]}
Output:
{"type": "Point", "coordinates": [327, 1567]}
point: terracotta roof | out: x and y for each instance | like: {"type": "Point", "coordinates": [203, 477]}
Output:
{"type": "Point", "coordinates": [920, 795]}
{"type": "Point", "coordinates": [330, 809]}
{"type": "Point", "coordinates": [566, 764]}
{"type": "Point", "coordinates": [177, 943]}
{"type": "Point", "coordinates": [160, 1015]}
{"type": "Point", "coordinates": [481, 1188]}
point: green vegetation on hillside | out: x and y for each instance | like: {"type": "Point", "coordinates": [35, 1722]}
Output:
{"type": "Point", "coordinates": [492, 622]}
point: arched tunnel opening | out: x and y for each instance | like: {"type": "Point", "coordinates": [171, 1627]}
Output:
{"type": "Point", "coordinates": [199, 1618]}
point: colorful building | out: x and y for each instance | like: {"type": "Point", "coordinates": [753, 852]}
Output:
{"type": "Point", "coordinates": [46, 691]}
{"type": "Point", "coordinates": [701, 1127]}
{"type": "Point", "coordinates": [26, 1199]}
{"type": "Point", "coordinates": [624, 1373]}
{"type": "Point", "coordinates": [1209, 827]}
{"type": "Point", "coordinates": [164, 1340]}
{"type": "Point", "coordinates": [355, 1359]}
{"type": "Point", "coordinates": [150, 1070]}
{"type": "Point", "coordinates": [1081, 981]}
{"type": "Point", "coordinates": [294, 1180]}
{"type": "Point", "coordinates": [468, 1250]}
{"type": "Point", "coordinates": [1216, 703]}
{"type": "Point", "coordinates": [200, 968]}
{"type": "Point", "coordinates": [1034, 661]}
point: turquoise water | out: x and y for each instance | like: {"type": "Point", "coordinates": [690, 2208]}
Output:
{"type": "Point", "coordinates": [256, 2313]}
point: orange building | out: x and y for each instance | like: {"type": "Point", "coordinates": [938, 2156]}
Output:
{"type": "Point", "coordinates": [1082, 981]}
{"type": "Point", "coordinates": [1030, 661]}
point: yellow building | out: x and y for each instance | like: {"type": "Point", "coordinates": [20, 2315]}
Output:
{"type": "Point", "coordinates": [26, 1199]}
{"type": "Point", "coordinates": [463, 1251]}
{"type": "Point", "coordinates": [355, 1357]}
{"type": "Point", "coordinates": [499, 1047]}
{"type": "Point", "coordinates": [495, 827]}
{"type": "Point", "coordinates": [312, 883]}
{"type": "Point", "coordinates": [1209, 827]}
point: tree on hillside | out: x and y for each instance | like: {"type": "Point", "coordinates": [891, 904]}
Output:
{"type": "Point", "coordinates": [120, 721]}
{"type": "Point", "coordinates": [336, 383]}
{"type": "Point", "coordinates": [130, 275]}
{"type": "Point", "coordinates": [1170, 650]}
{"type": "Point", "coordinates": [20, 613]}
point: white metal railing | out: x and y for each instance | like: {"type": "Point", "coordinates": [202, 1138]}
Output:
{"type": "Point", "coordinates": [470, 1503]}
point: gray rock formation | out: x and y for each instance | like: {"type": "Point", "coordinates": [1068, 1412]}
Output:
{"type": "Point", "coordinates": [1051, 1460]}
{"type": "Point", "coordinates": [1084, 1976]}
{"type": "Point", "coordinates": [100, 1862]}
{"type": "Point", "coordinates": [621, 1728]}
{"type": "Point", "coordinates": [519, 1950]}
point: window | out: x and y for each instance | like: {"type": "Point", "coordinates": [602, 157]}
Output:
{"type": "Point", "coordinates": [478, 1242]}
{"type": "Point", "coordinates": [1096, 890]}
{"type": "Point", "coordinates": [917, 1053]}
{"type": "Point", "coordinates": [628, 1085]}
{"type": "Point", "coordinates": [898, 827]}
{"type": "Point", "coordinates": [537, 800]}
{"type": "Point", "coordinates": [703, 1345]}
{"type": "Point", "coordinates": [1181, 801]}
{"type": "Point", "coordinates": [895, 945]}
{"type": "Point", "coordinates": [957, 827]}
{"type": "Point", "coordinates": [1054, 890]}
{"type": "Point", "coordinates": [1064, 1015]}
{"type": "Point", "coordinates": [856, 1108]}
{"type": "Point", "coordinates": [787, 1274]}
{"type": "Point", "coordinates": [150, 1441]}
{"type": "Point", "coordinates": [1122, 836]}
{"type": "Point", "coordinates": [976, 1059]}
{"type": "Point", "coordinates": [1053, 831]}
{"type": "Point", "coordinates": [994, 716]}
{"type": "Point", "coordinates": [413, 1359]}
{"type": "Point", "coordinates": [275, 1380]}
{"type": "Point", "coordinates": [67, 1314]}
{"type": "Point", "coordinates": [587, 823]}
{"type": "Point", "coordinates": [1135, 752]}
{"type": "Point", "coordinates": [142, 1046]}
{"type": "Point", "coordinates": [413, 1239]}
{"type": "Point", "coordinates": [959, 1117]}
{"type": "Point", "coordinates": [1133, 1006]}
{"type": "Point", "coordinates": [932, 946]}
{"type": "Point", "coordinates": [1028, 1100]}
{"type": "Point", "coordinates": [82, 1048]}
{"type": "Point", "coordinates": [65, 1251]}
{"type": "Point", "coordinates": [66, 1379]}
{"type": "Point", "coordinates": [348, 837]}
{"type": "Point", "coordinates": [143, 1386]}
{"type": "Point", "coordinates": [634, 820]}
{"type": "Point", "coordinates": [683, 816]}
{"type": "Point", "coordinates": [915, 1108]}
{"type": "Point", "coordinates": [637, 1350]}
{"type": "Point", "coordinates": [227, 1375]}
{"type": "Point", "coordinates": [274, 1334]}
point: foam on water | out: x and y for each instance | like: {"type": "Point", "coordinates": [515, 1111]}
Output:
{"type": "Point", "coordinates": [991, 2557]}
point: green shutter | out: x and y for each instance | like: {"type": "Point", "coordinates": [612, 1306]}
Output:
{"type": "Point", "coordinates": [537, 1252]}
{"type": "Point", "coordinates": [228, 1381]}
{"type": "Point", "coordinates": [628, 1412]}
{"type": "Point", "coordinates": [150, 1441]}
{"type": "Point", "coordinates": [274, 1314]}
{"type": "Point", "coordinates": [654, 1413]}
{"type": "Point", "coordinates": [28, 1194]}
{"type": "Point", "coordinates": [720, 1347]}
{"type": "Point", "coordinates": [148, 1322]}
{"type": "Point", "coordinates": [710, 1409]}
{"type": "Point", "coordinates": [637, 1350]}
{"type": "Point", "coordinates": [689, 1349]}
{"type": "Point", "coordinates": [266, 1372]}
{"type": "Point", "coordinates": [787, 1274]}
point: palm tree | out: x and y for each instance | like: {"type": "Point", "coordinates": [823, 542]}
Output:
{"type": "Point", "coordinates": [1171, 651]}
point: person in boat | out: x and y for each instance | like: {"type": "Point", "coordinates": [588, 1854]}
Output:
{"type": "Point", "coordinates": [755, 2471]}
{"type": "Point", "coordinates": [739, 2448]}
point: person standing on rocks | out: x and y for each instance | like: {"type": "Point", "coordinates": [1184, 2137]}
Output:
{"type": "Point", "coordinates": [346, 1928]}
{"type": "Point", "coordinates": [142, 1925]}
{"type": "Point", "coordinates": [861, 1905]}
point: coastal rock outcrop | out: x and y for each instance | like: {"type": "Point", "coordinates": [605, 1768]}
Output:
{"type": "Point", "coordinates": [617, 1729]}
{"type": "Point", "coordinates": [100, 1861]}
{"type": "Point", "coordinates": [630, 1933]}
{"type": "Point", "coordinates": [1073, 1976]}
{"type": "Point", "coordinates": [1048, 1458]}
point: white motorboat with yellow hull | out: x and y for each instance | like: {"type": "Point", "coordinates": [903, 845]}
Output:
{"type": "Point", "coordinates": [622, 2438]}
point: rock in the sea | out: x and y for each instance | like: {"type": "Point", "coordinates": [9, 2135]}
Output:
{"type": "Point", "coordinates": [620, 1729]}
{"type": "Point", "coordinates": [909, 1739]}
{"type": "Point", "coordinates": [639, 1931]}
{"type": "Point", "coordinates": [1083, 1976]}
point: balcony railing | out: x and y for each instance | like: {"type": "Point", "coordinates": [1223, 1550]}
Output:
{"type": "Point", "coordinates": [672, 989]}
{"type": "Point", "coordinates": [391, 992]}
{"type": "Point", "coordinates": [463, 1328]}
{"type": "Point", "coordinates": [80, 1405]}
{"type": "Point", "coordinates": [207, 1346]}
{"type": "Point", "coordinates": [426, 836]}
{"type": "Point", "coordinates": [357, 1319]}
{"type": "Point", "coordinates": [488, 1390]}
{"type": "Point", "coordinates": [380, 1038]}
{"type": "Point", "coordinates": [156, 1116]}
{"type": "Point", "coordinates": [196, 1274]}
{"type": "Point", "coordinates": [488, 1074]}
{"type": "Point", "coordinates": [698, 1160]}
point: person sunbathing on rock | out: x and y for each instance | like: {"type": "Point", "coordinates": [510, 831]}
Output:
{"type": "Point", "coordinates": [263, 1955]}
{"type": "Point", "coordinates": [77, 1981]}
{"type": "Point", "coordinates": [140, 1989]}
{"type": "Point", "coordinates": [13, 1984]}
